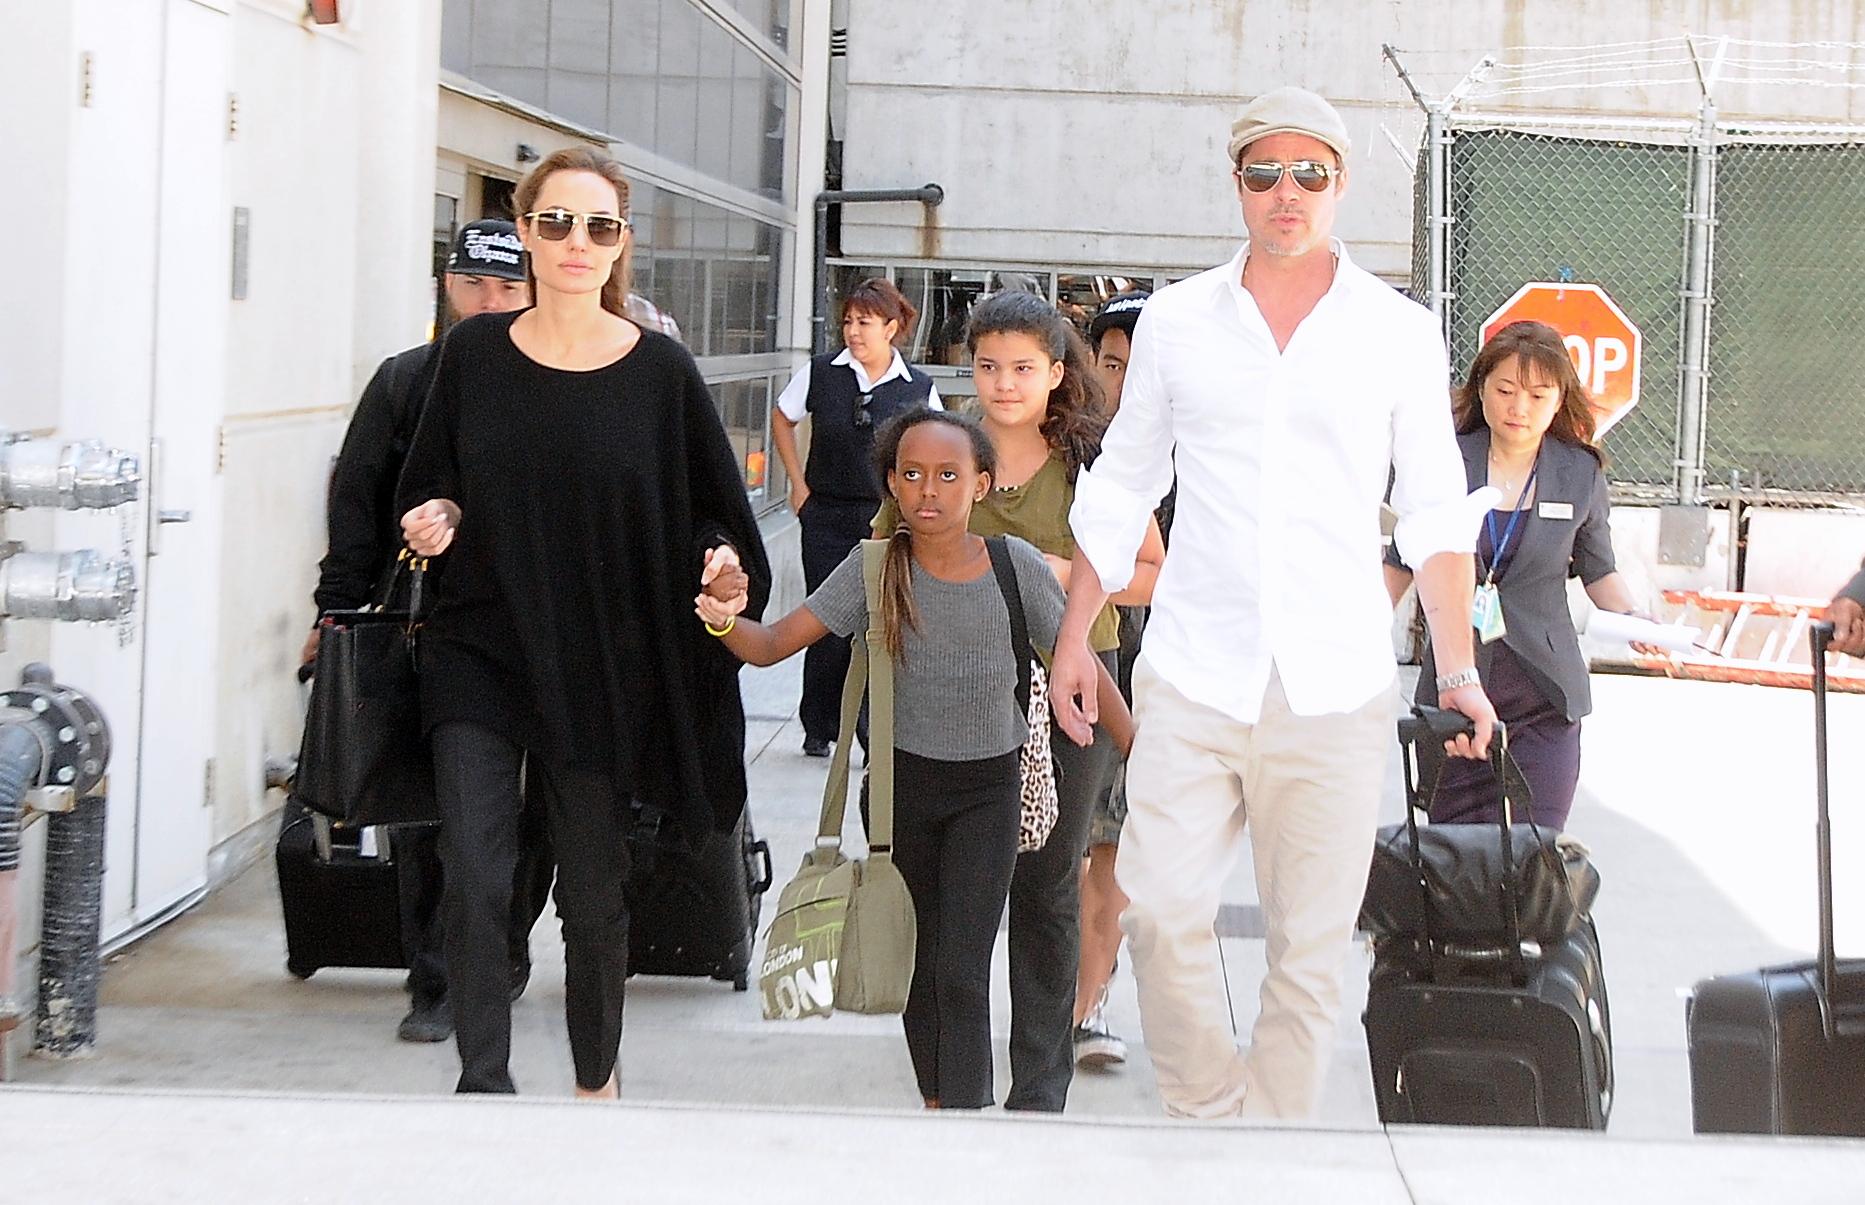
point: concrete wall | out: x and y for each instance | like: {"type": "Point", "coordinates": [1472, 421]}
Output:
{"type": "Point", "coordinates": [1087, 133]}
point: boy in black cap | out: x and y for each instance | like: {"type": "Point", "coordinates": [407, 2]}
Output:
{"type": "Point", "coordinates": [1111, 335]}
{"type": "Point", "coordinates": [485, 275]}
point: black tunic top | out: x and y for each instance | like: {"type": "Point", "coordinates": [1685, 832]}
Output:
{"type": "Point", "coordinates": [565, 617]}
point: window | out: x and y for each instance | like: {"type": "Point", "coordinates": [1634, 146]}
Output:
{"type": "Point", "coordinates": [1079, 295]}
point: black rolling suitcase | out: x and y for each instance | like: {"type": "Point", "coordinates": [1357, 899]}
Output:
{"type": "Point", "coordinates": [1782, 1050]}
{"type": "Point", "coordinates": [1503, 1032]}
{"type": "Point", "coordinates": [342, 900]}
{"type": "Point", "coordinates": [694, 912]}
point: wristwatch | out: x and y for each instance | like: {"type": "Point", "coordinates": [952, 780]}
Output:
{"type": "Point", "coordinates": [1457, 681]}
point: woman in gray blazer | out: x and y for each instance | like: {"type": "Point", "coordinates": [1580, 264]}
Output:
{"type": "Point", "coordinates": [1525, 427]}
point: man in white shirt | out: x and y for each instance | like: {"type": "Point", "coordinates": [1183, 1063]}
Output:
{"type": "Point", "coordinates": [1285, 384]}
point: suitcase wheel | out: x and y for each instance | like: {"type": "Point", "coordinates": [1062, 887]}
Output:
{"type": "Point", "coordinates": [741, 982]}
{"type": "Point", "coordinates": [298, 970]}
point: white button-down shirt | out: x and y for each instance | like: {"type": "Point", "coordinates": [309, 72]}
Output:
{"type": "Point", "coordinates": [793, 402]}
{"type": "Point", "coordinates": [1282, 461]}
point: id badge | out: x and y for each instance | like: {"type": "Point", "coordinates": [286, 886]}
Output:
{"type": "Point", "coordinates": [1486, 613]}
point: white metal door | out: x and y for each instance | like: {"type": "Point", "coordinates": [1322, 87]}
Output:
{"type": "Point", "coordinates": [179, 714]}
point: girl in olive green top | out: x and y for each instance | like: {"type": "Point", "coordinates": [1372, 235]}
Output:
{"type": "Point", "coordinates": [1043, 407]}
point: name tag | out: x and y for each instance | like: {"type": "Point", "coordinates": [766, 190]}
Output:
{"type": "Point", "coordinates": [1555, 510]}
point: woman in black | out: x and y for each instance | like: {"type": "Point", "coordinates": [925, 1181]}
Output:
{"type": "Point", "coordinates": [851, 393]}
{"type": "Point", "coordinates": [574, 471]}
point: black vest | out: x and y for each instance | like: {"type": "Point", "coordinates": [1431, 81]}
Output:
{"type": "Point", "coordinates": [840, 467]}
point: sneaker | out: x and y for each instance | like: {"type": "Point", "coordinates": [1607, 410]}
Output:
{"type": "Point", "coordinates": [1095, 1047]}
{"type": "Point", "coordinates": [427, 1021]}
{"type": "Point", "coordinates": [815, 746]}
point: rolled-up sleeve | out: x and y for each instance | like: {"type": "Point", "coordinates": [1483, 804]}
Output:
{"type": "Point", "coordinates": [1855, 589]}
{"type": "Point", "coordinates": [1115, 497]}
{"type": "Point", "coordinates": [1593, 557]}
{"type": "Point", "coordinates": [1435, 512]}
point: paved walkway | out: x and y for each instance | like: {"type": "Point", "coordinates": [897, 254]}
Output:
{"type": "Point", "coordinates": [1696, 799]}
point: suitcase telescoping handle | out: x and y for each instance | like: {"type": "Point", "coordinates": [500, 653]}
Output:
{"type": "Point", "coordinates": [1432, 726]}
{"type": "Point", "coordinates": [1838, 1017]}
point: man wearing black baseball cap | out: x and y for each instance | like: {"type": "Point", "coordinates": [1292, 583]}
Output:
{"type": "Point", "coordinates": [485, 275]}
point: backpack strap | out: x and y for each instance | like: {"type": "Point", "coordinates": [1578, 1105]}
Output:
{"type": "Point", "coordinates": [1005, 570]}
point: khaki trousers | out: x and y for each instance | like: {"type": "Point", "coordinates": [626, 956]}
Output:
{"type": "Point", "coordinates": [1309, 788]}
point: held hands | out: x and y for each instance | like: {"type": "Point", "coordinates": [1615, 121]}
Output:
{"type": "Point", "coordinates": [1472, 702]}
{"type": "Point", "coordinates": [1848, 626]}
{"type": "Point", "coordinates": [725, 588]}
{"type": "Point", "coordinates": [429, 527]}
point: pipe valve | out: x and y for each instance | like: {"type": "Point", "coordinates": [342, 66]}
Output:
{"type": "Point", "coordinates": [79, 587]}
{"type": "Point", "coordinates": [81, 475]}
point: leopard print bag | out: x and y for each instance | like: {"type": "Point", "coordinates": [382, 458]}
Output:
{"type": "Point", "coordinates": [1037, 768]}
{"type": "Point", "coordinates": [1041, 806]}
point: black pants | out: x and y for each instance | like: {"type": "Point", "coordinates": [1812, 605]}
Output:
{"type": "Point", "coordinates": [423, 886]}
{"type": "Point", "coordinates": [1045, 929]}
{"type": "Point", "coordinates": [831, 529]}
{"type": "Point", "coordinates": [477, 777]}
{"type": "Point", "coordinates": [955, 842]}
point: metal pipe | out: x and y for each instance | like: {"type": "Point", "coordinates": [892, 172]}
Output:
{"type": "Point", "coordinates": [70, 970]}
{"type": "Point", "coordinates": [54, 741]}
{"type": "Point", "coordinates": [22, 759]}
{"type": "Point", "coordinates": [1694, 296]}
{"type": "Point", "coordinates": [75, 586]}
{"type": "Point", "coordinates": [929, 195]}
{"type": "Point", "coordinates": [1437, 216]}
{"type": "Point", "coordinates": [67, 476]}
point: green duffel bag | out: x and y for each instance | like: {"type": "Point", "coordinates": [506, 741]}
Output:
{"type": "Point", "coordinates": [843, 935]}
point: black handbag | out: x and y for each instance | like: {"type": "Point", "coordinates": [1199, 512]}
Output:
{"type": "Point", "coordinates": [364, 759]}
{"type": "Point", "coordinates": [1475, 885]}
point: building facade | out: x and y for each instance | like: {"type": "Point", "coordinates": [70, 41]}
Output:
{"type": "Point", "coordinates": [703, 102]}
{"type": "Point", "coordinates": [1081, 144]}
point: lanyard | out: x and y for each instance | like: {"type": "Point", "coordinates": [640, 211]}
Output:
{"type": "Point", "coordinates": [1500, 546]}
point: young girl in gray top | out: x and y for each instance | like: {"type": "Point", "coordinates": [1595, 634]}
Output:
{"type": "Point", "coordinates": [958, 728]}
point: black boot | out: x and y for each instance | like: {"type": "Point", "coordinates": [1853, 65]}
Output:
{"type": "Point", "coordinates": [429, 1019]}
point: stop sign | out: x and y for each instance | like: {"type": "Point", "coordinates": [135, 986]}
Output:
{"type": "Point", "coordinates": [1602, 341]}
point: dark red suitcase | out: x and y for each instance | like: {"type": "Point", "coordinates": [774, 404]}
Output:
{"type": "Point", "coordinates": [1781, 1050]}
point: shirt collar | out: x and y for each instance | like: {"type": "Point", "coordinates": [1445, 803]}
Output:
{"type": "Point", "coordinates": [897, 369]}
{"type": "Point", "coordinates": [1343, 268]}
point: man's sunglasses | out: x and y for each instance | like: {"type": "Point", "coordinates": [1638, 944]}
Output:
{"type": "Point", "coordinates": [1312, 176]}
{"type": "Point", "coordinates": [863, 417]}
{"type": "Point", "coordinates": [555, 225]}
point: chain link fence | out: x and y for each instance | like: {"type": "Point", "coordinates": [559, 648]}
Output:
{"type": "Point", "coordinates": [1734, 248]}
{"type": "Point", "coordinates": [1786, 358]}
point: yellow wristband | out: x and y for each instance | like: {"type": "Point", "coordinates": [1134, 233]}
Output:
{"type": "Point", "coordinates": [724, 631]}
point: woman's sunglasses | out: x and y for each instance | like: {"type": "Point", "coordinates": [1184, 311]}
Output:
{"type": "Point", "coordinates": [1312, 176]}
{"type": "Point", "coordinates": [555, 225]}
